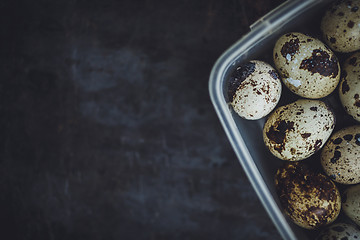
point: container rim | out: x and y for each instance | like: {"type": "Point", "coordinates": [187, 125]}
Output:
{"type": "Point", "coordinates": [266, 25]}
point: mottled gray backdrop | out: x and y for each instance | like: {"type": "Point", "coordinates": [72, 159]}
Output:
{"type": "Point", "coordinates": [107, 129]}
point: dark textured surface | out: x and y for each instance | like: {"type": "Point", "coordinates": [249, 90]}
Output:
{"type": "Point", "coordinates": [107, 129]}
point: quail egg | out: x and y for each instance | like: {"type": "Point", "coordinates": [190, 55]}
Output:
{"type": "Point", "coordinates": [254, 89]}
{"type": "Point", "coordinates": [349, 88]}
{"type": "Point", "coordinates": [307, 67]}
{"type": "Point", "coordinates": [340, 157]}
{"type": "Point", "coordinates": [341, 231]}
{"type": "Point", "coordinates": [351, 203]}
{"type": "Point", "coordinates": [340, 26]}
{"type": "Point", "coordinates": [297, 130]}
{"type": "Point", "coordinates": [310, 199]}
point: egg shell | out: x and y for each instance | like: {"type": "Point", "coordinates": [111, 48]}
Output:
{"type": "Point", "coordinates": [340, 157]}
{"type": "Point", "coordinates": [254, 89]}
{"type": "Point", "coordinates": [349, 88]}
{"type": "Point", "coordinates": [306, 65]}
{"type": "Point", "coordinates": [341, 231]}
{"type": "Point", "coordinates": [351, 203]}
{"type": "Point", "coordinates": [340, 26]}
{"type": "Point", "coordinates": [297, 130]}
{"type": "Point", "coordinates": [310, 199]}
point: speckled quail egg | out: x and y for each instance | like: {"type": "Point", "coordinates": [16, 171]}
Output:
{"type": "Point", "coordinates": [339, 231]}
{"type": "Point", "coordinates": [310, 199]}
{"type": "Point", "coordinates": [306, 65]}
{"type": "Point", "coordinates": [297, 130]}
{"type": "Point", "coordinates": [254, 89]}
{"type": "Point", "coordinates": [351, 203]}
{"type": "Point", "coordinates": [340, 26]}
{"type": "Point", "coordinates": [340, 156]}
{"type": "Point", "coordinates": [349, 88]}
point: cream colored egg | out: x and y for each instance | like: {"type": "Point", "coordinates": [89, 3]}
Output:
{"type": "Point", "coordinates": [339, 231]}
{"type": "Point", "coordinates": [351, 203]}
{"type": "Point", "coordinates": [340, 157]}
{"type": "Point", "coordinates": [254, 89]}
{"type": "Point", "coordinates": [340, 26]}
{"type": "Point", "coordinates": [297, 130]}
{"type": "Point", "coordinates": [349, 88]}
{"type": "Point", "coordinates": [307, 67]}
{"type": "Point", "coordinates": [310, 199]}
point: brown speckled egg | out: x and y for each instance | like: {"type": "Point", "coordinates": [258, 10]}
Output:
{"type": "Point", "coordinates": [307, 67]}
{"type": "Point", "coordinates": [297, 130]}
{"type": "Point", "coordinates": [340, 157]}
{"type": "Point", "coordinates": [310, 199]}
{"type": "Point", "coordinates": [339, 231]}
{"type": "Point", "coordinates": [349, 88]}
{"type": "Point", "coordinates": [341, 26]}
{"type": "Point", "coordinates": [254, 89]}
{"type": "Point", "coordinates": [351, 203]}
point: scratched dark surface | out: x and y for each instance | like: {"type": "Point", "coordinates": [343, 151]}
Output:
{"type": "Point", "coordinates": [107, 129]}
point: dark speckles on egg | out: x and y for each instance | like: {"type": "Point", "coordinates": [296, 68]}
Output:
{"type": "Point", "coordinates": [337, 140]}
{"type": "Point", "coordinates": [349, 87]}
{"type": "Point", "coordinates": [293, 151]}
{"type": "Point", "coordinates": [277, 133]}
{"type": "Point", "coordinates": [336, 157]}
{"type": "Point", "coordinates": [273, 74]}
{"type": "Point", "coordinates": [342, 24]}
{"type": "Point", "coordinates": [321, 62]}
{"type": "Point", "coordinates": [344, 87]}
{"type": "Point", "coordinates": [239, 75]}
{"type": "Point", "coordinates": [310, 199]}
{"type": "Point", "coordinates": [290, 48]}
{"type": "Point", "coordinates": [306, 135]}
{"type": "Point", "coordinates": [258, 81]}
{"type": "Point", "coordinates": [350, 24]}
{"type": "Point", "coordinates": [357, 139]}
{"type": "Point", "coordinates": [293, 126]}
{"type": "Point", "coordinates": [339, 231]}
{"type": "Point", "coordinates": [348, 137]}
{"type": "Point", "coordinates": [357, 103]}
{"type": "Point", "coordinates": [339, 156]}
{"type": "Point", "coordinates": [307, 66]}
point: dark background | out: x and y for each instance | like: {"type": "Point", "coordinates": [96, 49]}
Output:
{"type": "Point", "coordinates": [107, 130]}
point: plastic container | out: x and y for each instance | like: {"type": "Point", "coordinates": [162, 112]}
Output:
{"type": "Point", "coordinates": [246, 136]}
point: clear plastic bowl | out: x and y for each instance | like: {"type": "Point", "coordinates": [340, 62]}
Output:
{"type": "Point", "coordinates": [246, 136]}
